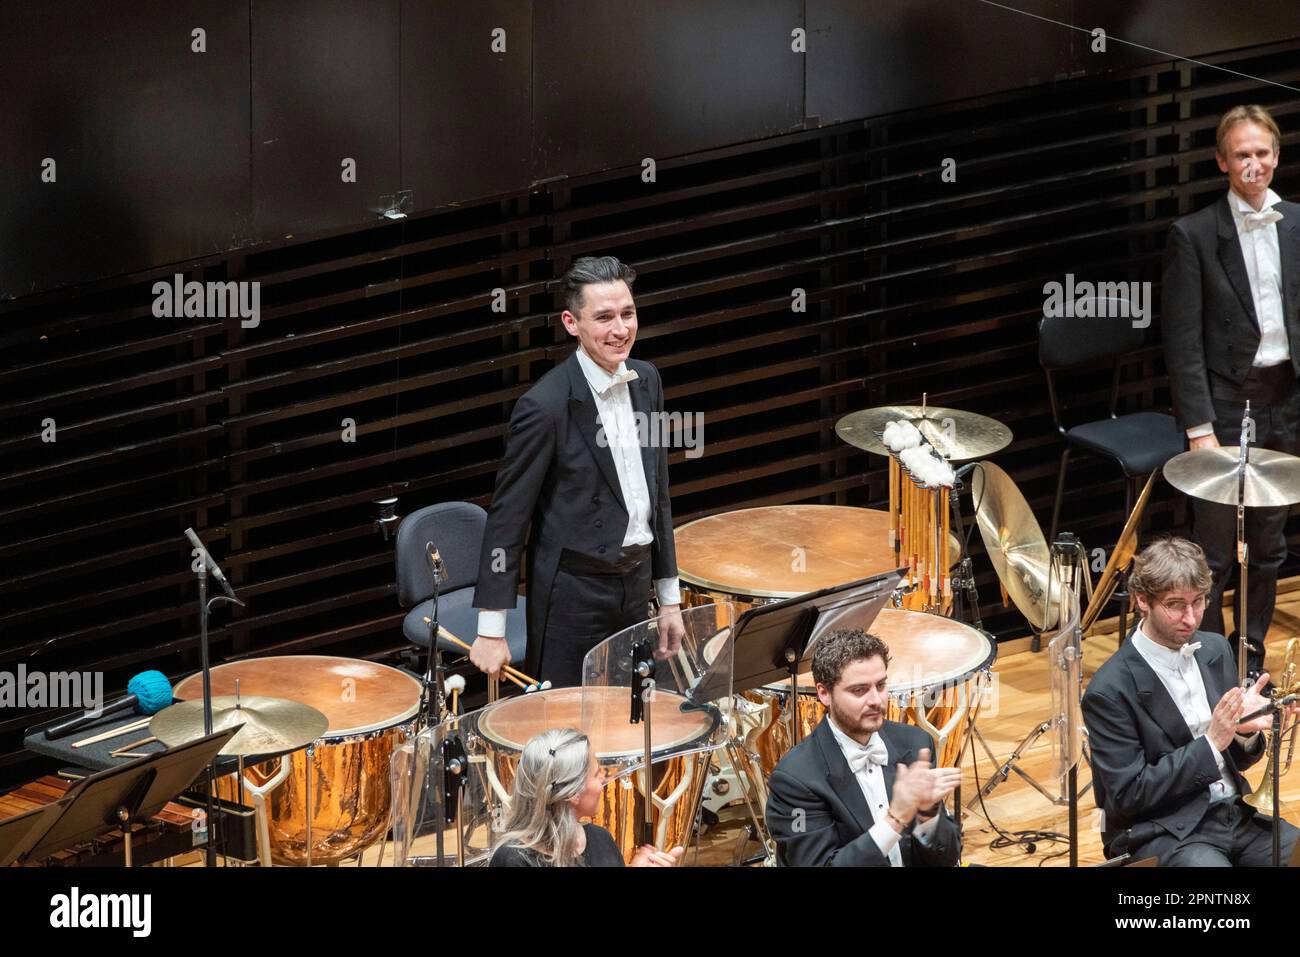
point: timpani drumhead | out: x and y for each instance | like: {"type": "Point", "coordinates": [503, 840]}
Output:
{"type": "Point", "coordinates": [752, 551]}
{"type": "Point", "coordinates": [925, 651]}
{"type": "Point", "coordinates": [513, 722]}
{"type": "Point", "coordinates": [356, 696]}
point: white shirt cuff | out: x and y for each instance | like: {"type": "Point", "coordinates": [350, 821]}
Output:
{"type": "Point", "coordinates": [668, 591]}
{"type": "Point", "coordinates": [1200, 431]}
{"type": "Point", "coordinates": [925, 830]}
{"type": "Point", "coordinates": [886, 838]}
{"type": "Point", "coordinates": [1248, 740]}
{"type": "Point", "coordinates": [491, 623]}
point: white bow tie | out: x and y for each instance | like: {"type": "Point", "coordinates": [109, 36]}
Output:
{"type": "Point", "coordinates": [1263, 218]}
{"type": "Point", "coordinates": [874, 753]}
{"type": "Point", "coordinates": [620, 377]}
{"type": "Point", "coordinates": [1188, 651]}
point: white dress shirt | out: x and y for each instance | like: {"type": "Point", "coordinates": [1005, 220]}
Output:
{"type": "Point", "coordinates": [871, 779]}
{"type": "Point", "coordinates": [1263, 256]}
{"type": "Point", "coordinates": [1181, 676]}
{"type": "Point", "coordinates": [615, 417]}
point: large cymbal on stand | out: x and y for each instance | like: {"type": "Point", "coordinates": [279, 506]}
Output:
{"type": "Point", "coordinates": [1120, 558]}
{"type": "Point", "coordinates": [956, 435]}
{"type": "Point", "coordinates": [270, 725]}
{"type": "Point", "coordinates": [1015, 544]}
{"type": "Point", "coordinates": [1272, 478]}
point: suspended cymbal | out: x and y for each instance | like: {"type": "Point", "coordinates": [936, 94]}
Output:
{"type": "Point", "coordinates": [1272, 478]}
{"type": "Point", "coordinates": [1015, 544]}
{"type": "Point", "coordinates": [955, 434]}
{"type": "Point", "coordinates": [270, 725]}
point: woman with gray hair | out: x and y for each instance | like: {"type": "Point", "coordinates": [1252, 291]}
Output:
{"type": "Point", "coordinates": [557, 784]}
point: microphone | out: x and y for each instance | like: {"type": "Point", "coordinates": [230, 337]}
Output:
{"type": "Point", "coordinates": [1270, 708]}
{"type": "Point", "coordinates": [148, 693]}
{"type": "Point", "coordinates": [436, 563]}
{"type": "Point", "coordinates": [212, 566]}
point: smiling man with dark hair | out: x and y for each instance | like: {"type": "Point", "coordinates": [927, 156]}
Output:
{"type": "Point", "coordinates": [585, 492]}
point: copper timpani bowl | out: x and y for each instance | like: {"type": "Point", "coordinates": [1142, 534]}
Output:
{"type": "Point", "coordinates": [757, 555]}
{"type": "Point", "coordinates": [372, 709]}
{"type": "Point", "coordinates": [681, 753]}
{"type": "Point", "coordinates": [935, 669]}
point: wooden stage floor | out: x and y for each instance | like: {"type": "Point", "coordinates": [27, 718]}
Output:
{"type": "Point", "coordinates": [1024, 700]}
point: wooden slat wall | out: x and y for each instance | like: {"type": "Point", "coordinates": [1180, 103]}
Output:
{"type": "Point", "coordinates": [913, 285]}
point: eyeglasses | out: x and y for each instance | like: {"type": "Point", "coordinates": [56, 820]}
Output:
{"type": "Point", "coordinates": [1176, 608]}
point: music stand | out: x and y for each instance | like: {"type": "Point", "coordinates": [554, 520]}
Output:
{"type": "Point", "coordinates": [19, 834]}
{"type": "Point", "coordinates": [436, 793]}
{"type": "Point", "coordinates": [116, 798]}
{"type": "Point", "coordinates": [772, 641]}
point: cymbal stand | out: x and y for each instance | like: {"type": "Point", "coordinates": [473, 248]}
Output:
{"type": "Point", "coordinates": [1069, 560]}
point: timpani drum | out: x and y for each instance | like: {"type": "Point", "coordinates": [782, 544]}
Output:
{"type": "Point", "coordinates": [755, 556]}
{"type": "Point", "coordinates": [937, 670]}
{"type": "Point", "coordinates": [344, 775]}
{"type": "Point", "coordinates": [685, 741]}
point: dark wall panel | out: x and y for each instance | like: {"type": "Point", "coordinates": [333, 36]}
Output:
{"type": "Point", "coordinates": [150, 138]}
{"type": "Point", "coordinates": [867, 59]}
{"type": "Point", "coordinates": [623, 79]}
{"type": "Point", "coordinates": [466, 120]}
{"type": "Point", "coordinates": [325, 88]}
{"type": "Point", "coordinates": [1186, 28]}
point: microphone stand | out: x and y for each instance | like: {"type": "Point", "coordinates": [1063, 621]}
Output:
{"type": "Point", "coordinates": [1278, 708]}
{"type": "Point", "coordinates": [434, 702]}
{"type": "Point", "coordinates": [1243, 459]}
{"type": "Point", "coordinates": [205, 609]}
{"type": "Point", "coordinates": [1275, 756]}
{"type": "Point", "coordinates": [643, 668]}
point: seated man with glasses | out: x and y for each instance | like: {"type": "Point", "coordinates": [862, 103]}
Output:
{"type": "Point", "coordinates": [1163, 716]}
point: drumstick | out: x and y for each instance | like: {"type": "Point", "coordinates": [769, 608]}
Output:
{"type": "Point", "coordinates": [513, 673]}
{"type": "Point", "coordinates": [132, 746]}
{"type": "Point", "coordinates": [506, 669]}
{"type": "Point", "coordinates": [104, 736]}
{"type": "Point", "coordinates": [454, 685]}
{"type": "Point", "coordinates": [513, 680]}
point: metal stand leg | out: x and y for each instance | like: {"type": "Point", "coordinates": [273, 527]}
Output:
{"type": "Point", "coordinates": [1013, 764]}
{"type": "Point", "coordinates": [1072, 790]}
{"type": "Point", "coordinates": [735, 754]}
{"type": "Point", "coordinates": [124, 818]}
{"type": "Point", "coordinates": [311, 809]}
